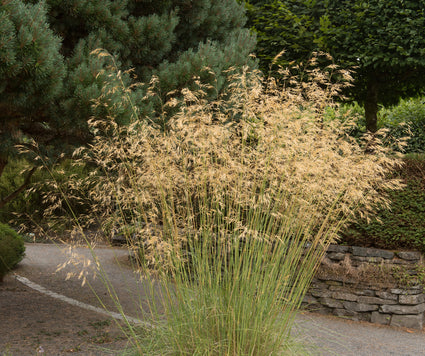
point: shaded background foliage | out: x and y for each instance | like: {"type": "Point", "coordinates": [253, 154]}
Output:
{"type": "Point", "coordinates": [382, 39]}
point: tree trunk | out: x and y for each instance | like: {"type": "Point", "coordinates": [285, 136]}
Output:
{"type": "Point", "coordinates": [371, 105]}
{"type": "Point", "coordinates": [3, 163]}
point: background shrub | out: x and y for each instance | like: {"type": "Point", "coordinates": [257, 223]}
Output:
{"type": "Point", "coordinates": [11, 179]}
{"type": "Point", "coordinates": [12, 249]}
{"type": "Point", "coordinates": [42, 206]}
{"type": "Point", "coordinates": [403, 225]}
{"type": "Point", "coordinates": [407, 119]}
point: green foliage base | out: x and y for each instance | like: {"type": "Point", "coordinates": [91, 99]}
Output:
{"type": "Point", "coordinates": [12, 249]}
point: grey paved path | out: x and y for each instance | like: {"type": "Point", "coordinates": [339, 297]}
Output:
{"type": "Point", "coordinates": [331, 336]}
{"type": "Point", "coordinates": [335, 336]}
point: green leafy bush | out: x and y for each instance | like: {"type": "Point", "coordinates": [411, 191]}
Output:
{"type": "Point", "coordinates": [12, 249]}
{"type": "Point", "coordinates": [407, 119]}
{"type": "Point", "coordinates": [403, 226]}
{"type": "Point", "coordinates": [404, 120]}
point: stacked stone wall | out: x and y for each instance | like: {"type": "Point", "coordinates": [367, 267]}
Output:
{"type": "Point", "coordinates": [369, 284]}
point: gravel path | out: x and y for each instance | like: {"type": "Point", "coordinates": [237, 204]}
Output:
{"type": "Point", "coordinates": [30, 319]}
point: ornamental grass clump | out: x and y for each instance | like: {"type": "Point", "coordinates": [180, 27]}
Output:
{"type": "Point", "coordinates": [231, 204]}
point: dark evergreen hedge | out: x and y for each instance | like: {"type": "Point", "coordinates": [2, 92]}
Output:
{"type": "Point", "coordinates": [402, 227]}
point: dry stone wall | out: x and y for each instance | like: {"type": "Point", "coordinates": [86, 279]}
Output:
{"type": "Point", "coordinates": [369, 284]}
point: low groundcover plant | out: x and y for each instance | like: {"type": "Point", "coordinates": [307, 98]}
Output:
{"type": "Point", "coordinates": [231, 204]}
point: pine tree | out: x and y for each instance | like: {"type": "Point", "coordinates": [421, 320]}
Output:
{"type": "Point", "coordinates": [31, 74]}
{"type": "Point", "coordinates": [49, 76]}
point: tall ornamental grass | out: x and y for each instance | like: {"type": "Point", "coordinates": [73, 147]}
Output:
{"type": "Point", "coordinates": [229, 205]}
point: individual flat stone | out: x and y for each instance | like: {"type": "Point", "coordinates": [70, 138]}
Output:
{"type": "Point", "coordinates": [332, 278]}
{"type": "Point", "coordinates": [364, 317]}
{"type": "Point", "coordinates": [367, 292]}
{"type": "Point", "coordinates": [320, 309]}
{"type": "Point", "coordinates": [408, 321]}
{"type": "Point", "coordinates": [330, 303]}
{"type": "Point", "coordinates": [118, 240]}
{"type": "Point", "coordinates": [402, 309]}
{"type": "Point", "coordinates": [309, 299]}
{"type": "Point", "coordinates": [345, 296]}
{"type": "Point", "coordinates": [336, 256]}
{"type": "Point", "coordinates": [380, 318]}
{"type": "Point", "coordinates": [317, 284]}
{"type": "Point", "coordinates": [321, 293]}
{"type": "Point", "coordinates": [375, 300]}
{"type": "Point", "coordinates": [411, 290]}
{"type": "Point", "coordinates": [359, 259]}
{"type": "Point", "coordinates": [360, 307]}
{"type": "Point", "coordinates": [386, 295]}
{"type": "Point", "coordinates": [345, 313]}
{"type": "Point", "coordinates": [372, 252]}
{"type": "Point", "coordinates": [339, 248]}
{"type": "Point", "coordinates": [409, 255]}
{"type": "Point", "coordinates": [411, 299]}
{"type": "Point", "coordinates": [333, 283]}
{"type": "Point", "coordinates": [339, 288]}
{"type": "Point", "coordinates": [374, 260]}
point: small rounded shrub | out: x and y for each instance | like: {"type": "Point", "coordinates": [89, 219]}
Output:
{"type": "Point", "coordinates": [12, 249]}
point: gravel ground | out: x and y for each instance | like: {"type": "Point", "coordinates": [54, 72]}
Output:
{"type": "Point", "coordinates": [30, 319]}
